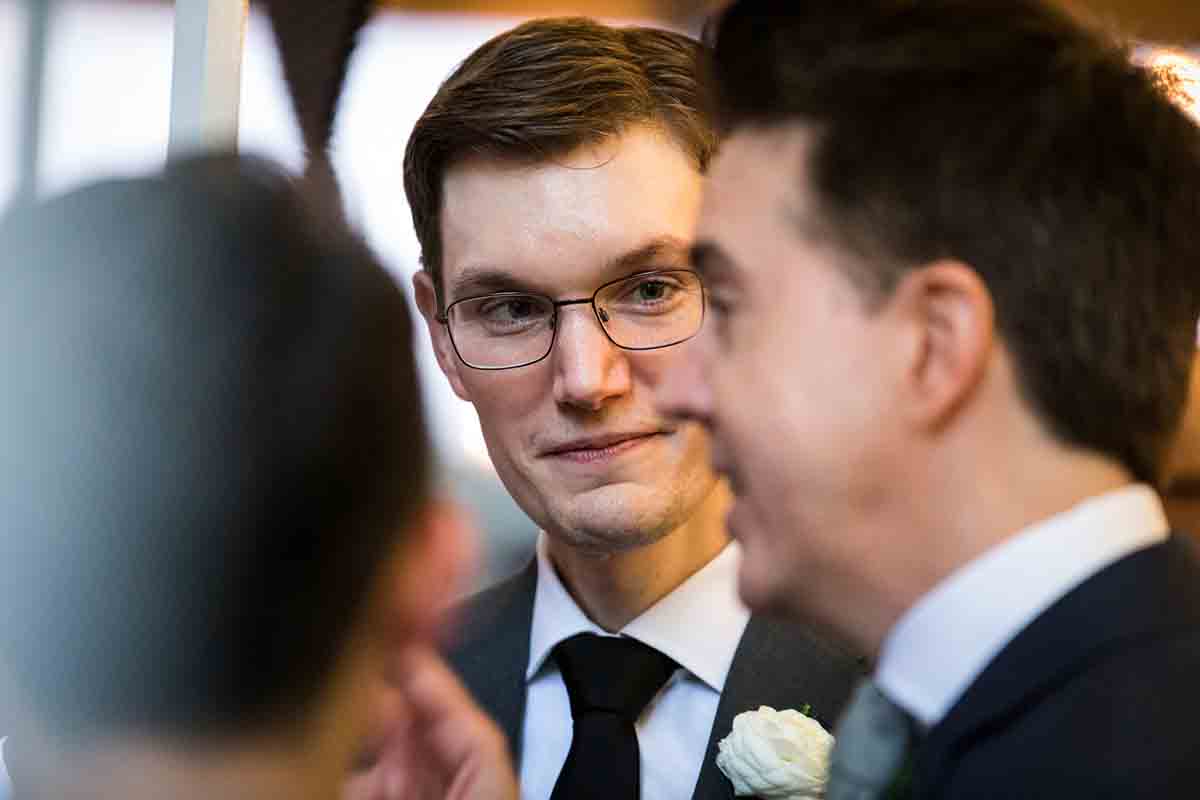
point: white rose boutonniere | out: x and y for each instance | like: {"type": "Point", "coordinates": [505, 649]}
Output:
{"type": "Point", "coordinates": [776, 755]}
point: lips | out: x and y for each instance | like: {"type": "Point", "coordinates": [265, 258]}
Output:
{"type": "Point", "coordinates": [600, 444]}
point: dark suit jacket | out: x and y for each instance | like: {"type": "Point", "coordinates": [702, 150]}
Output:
{"type": "Point", "coordinates": [776, 664]}
{"type": "Point", "coordinates": [1099, 697]}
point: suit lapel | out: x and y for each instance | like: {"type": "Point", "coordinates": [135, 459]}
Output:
{"type": "Point", "coordinates": [1148, 591]}
{"type": "Point", "coordinates": [783, 666]}
{"type": "Point", "coordinates": [493, 654]}
{"type": "Point", "coordinates": [776, 664]}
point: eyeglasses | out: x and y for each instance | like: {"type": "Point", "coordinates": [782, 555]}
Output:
{"type": "Point", "coordinates": [644, 311]}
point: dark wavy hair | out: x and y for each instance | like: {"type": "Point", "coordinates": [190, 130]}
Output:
{"type": "Point", "coordinates": [1008, 135]}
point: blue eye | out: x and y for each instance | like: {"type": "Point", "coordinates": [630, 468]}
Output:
{"type": "Point", "coordinates": [504, 315]}
{"type": "Point", "coordinates": [651, 294]}
{"type": "Point", "coordinates": [513, 309]}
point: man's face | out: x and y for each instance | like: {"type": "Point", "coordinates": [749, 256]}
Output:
{"type": "Point", "coordinates": [788, 375]}
{"type": "Point", "coordinates": [576, 437]}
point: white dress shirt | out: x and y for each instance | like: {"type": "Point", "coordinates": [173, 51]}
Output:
{"type": "Point", "coordinates": [698, 625]}
{"type": "Point", "coordinates": [939, 646]}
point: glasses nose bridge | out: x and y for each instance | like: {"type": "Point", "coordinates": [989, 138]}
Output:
{"type": "Point", "coordinates": [598, 312]}
{"type": "Point", "coordinates": [589, 366]}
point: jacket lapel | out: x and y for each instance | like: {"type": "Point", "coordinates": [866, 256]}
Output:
{"type": "Point", "coordinates": [776, 664]}
{"type": "Point", "coordinates": [493, 651]}
{"type": "Point", "coordinates": [783, 666]}
{"type": "Point", "coordinates": [1142, 593]}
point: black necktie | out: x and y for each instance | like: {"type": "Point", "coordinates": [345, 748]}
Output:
{"type": "Point", "coordinates": [609, 680]}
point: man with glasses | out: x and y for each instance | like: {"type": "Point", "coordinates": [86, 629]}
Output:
{"type": "Point", "coordinates": [553, 182]}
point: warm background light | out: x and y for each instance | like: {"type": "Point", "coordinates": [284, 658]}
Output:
{"type": "Point", "coordinates": [1175, 21]}
{"type": "Point", "coordinates": [1181, 75]}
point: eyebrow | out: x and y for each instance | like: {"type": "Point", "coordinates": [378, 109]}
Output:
{"type": "Point", "coordinates": [660, 248]}
{"type": "Point", "coordinates": [485, 280]}
{"type": "Point", "coordinates": [711, 261]}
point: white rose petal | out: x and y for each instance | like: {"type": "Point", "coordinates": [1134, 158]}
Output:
{"type": "Point", "coordinates": [776, 755]}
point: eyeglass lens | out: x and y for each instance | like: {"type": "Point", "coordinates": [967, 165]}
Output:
{"type": "Point", "coordinates": [641, 312]}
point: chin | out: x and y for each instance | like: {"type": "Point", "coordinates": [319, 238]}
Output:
{"type": "Point", "coordinates": [605, 525]}
{"type": "Point", "coordinates": [606, 542]}
{"type": "Point", "coordinates": [621, 514]}
{"type": "Point", "coordinates": [762, 594]}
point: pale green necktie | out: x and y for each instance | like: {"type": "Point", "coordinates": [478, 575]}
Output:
{"type": "Point", "coordinates": [872, 740]}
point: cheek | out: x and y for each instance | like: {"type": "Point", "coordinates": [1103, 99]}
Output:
{"type": "Point", "coordinates": [784, 421]}
{"type": "Point", "coordinates": [509, 406]}
{"type": "Point", "coordinates": [748, 412]}
{"type": "Point", "coordinates": [507, 401]}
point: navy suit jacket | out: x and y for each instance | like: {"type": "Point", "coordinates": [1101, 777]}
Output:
{"type": "Point", "coordinates": [776, 664]}
{"type": "Point", "coordinates": [1099, 697]}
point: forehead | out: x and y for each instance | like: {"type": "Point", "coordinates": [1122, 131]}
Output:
{"type": "Point", "coordinates": [755, 200]}
{"type": "Point", "coordinates": [759, 176]}
{"type": "Point", "coordinates": [559, 224]}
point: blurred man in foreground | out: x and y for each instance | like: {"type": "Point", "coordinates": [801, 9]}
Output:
{"type": "Point", "coordinates": [554, 181]}
{"type": "Point", "coordinates": [951, 253]}
{"type": "Point", "coordinates": [216, 521]}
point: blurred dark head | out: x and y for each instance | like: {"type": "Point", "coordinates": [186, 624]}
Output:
{"type": "Point", "coordinates": [213, 442]}
{"type": "Point", "coordinates": [1002, 134]}
{"type": "Point", "coordinates": [544, 89]}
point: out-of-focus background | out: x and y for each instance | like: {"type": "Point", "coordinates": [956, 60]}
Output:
{"type": "Point", "coordinates": [107, 102]}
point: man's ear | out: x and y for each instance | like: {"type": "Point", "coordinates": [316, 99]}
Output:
{"type": "Point", "coordinates": [949, 312]}
{"type": "Point", "coordinates": [439, 334]}
{"type": "Point", "coordinates": [431, 571]}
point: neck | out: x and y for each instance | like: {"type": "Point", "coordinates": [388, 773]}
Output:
{"type": "Point", "coordinates": [614, 588]}
{"type": "Point", "coordinates": [131, 770]}
{"type": "Point", "coordinates": [984, 498]}
{"type": "Point", "coordinates": [1183, 511]}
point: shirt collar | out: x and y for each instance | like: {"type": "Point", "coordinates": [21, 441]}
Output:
{"type": "Point", "coordinates": [669, 625]}
{"type": "Point", "coordinates": [971, 615]}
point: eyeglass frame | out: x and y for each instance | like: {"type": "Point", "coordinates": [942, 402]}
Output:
{"type": "Point", "coordinates": [444, 316]}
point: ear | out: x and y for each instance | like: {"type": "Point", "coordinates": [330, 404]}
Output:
{"type": "Point", "coordinates": [439, 334]}
{"type": "Point", "coordinates": [431, 570]}
{"type": "Point", "coordinates": [948, 310]}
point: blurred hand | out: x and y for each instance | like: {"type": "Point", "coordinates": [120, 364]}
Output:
{"type": "Point", "coordinates": [434, 743]}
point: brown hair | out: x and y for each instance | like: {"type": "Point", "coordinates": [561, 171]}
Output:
{"type": "Point", "coordinates": [543, 89]}
{"type": "Point", "coordinates": [1006, 135]}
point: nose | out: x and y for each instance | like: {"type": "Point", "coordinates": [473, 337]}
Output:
{"type": "Point", "coordinates": [589, 369]}
{"type": "Point", "coordinates": [684, 391]}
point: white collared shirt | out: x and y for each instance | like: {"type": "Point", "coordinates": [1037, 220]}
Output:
{"type": "Point", "coordinates": [940, 645]}
{"type": "Point", "coordinates": [698, 625]}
